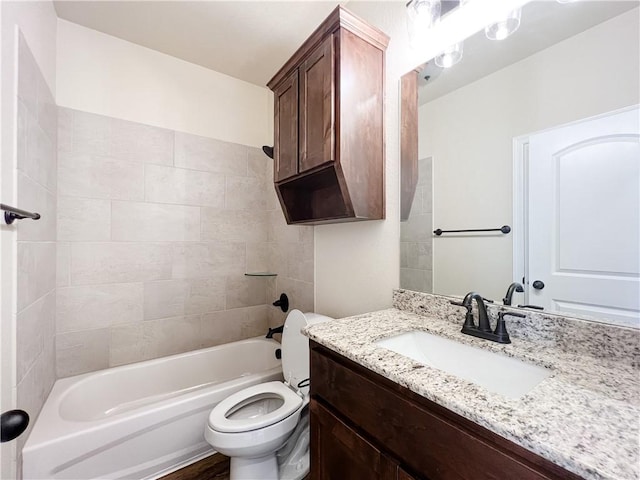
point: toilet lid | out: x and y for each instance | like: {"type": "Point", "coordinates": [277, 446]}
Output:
{"type": "Point", "coordinates": [255, 407]}
{"type": "Point", "coordinates": [295, 349]}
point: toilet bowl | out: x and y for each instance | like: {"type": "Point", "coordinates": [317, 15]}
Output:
{"type": "Point", "coordinates": [251, 425]}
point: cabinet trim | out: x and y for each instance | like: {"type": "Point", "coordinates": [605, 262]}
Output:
{"type": "Point", "coordinates": [340, 17]}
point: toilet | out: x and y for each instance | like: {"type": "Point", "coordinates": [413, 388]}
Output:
{"type": "Point", "coordinates": [251, 425]}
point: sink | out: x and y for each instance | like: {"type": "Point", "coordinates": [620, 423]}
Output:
{"type": "Point", "coordinates": [497, 373]}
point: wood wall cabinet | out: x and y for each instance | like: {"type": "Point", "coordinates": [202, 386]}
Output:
{"type": "Point", "coordinates": [365, 422]}
{"type": "Point", "coordinates": [329, 124]}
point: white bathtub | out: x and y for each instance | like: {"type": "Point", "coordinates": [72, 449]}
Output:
{"type": "Point", "coordinates": [143, 420]}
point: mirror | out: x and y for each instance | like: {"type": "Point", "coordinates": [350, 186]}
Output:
{"type": "Point", "coordinates": [538, 132]}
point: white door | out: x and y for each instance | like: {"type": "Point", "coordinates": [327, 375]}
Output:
{"type": "Point", "coordinates": [584, 218]}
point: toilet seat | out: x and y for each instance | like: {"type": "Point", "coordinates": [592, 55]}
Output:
{"type": "Point", "coordinates": [219, 418]}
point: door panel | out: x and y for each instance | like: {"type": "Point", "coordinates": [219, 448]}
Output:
{"type": "Point", "coordinates": [339, 452]}
{"type": "Point", "coordinates": [286, 129]}
{"type": "Point", "coordinates": [584, 217]}
{"type": "Point", "coordinates": [317, 92]}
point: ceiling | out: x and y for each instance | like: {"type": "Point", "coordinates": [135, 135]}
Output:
{"type": "Point", "coordinates": [249, 40]}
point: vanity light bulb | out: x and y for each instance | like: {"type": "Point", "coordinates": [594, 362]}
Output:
{"type": "Point", "coordinates": [424, 13]}
{"type": "Point", "coordinates": [505, 27]}
{"type": "Point", "coordinates": [450, 56]}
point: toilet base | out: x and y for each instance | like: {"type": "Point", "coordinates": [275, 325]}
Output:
{"type": "Point", "coordinates": [263, 468]}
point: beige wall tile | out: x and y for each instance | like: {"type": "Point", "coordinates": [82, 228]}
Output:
{"type": "Point", "coordinates": [97, 263]}
{"type": "Point", "coordinates": [82, 351]}
{"type": "Point", "coordinates": [233, 325]}
{"type": "Point", "coordinates": [210, 155]}
{"type": "Point", "coordinates": [171, 335]}
{"type": "Point", "coordinates": [36, 147]}
{"type": "Point", "coordinates": [28, 76]}
{"type": "Point", "coordinates": [187, 217]}
{"type": "Point", "coordinates": [419, 255]}
{"type": "Point", "coordinates": [37, 159]}
{"type": "Point", "coordinates": [185, 187]}
{"type": "Point", "coordinates": [34, 197]}
{"type": "Point", "coordinates": [418, 280]}
{"type": "Point", "coordinates": [91, 133]}
{"type": "Point", "coordinates": [65, 129]}
{"type": "Point", "coordinates": [135, 221]}
{"type": "Point", "coordinates": [259, 164]}
{"type": "Point", "coordinates": [278, 230]}
{"type": "Point", "coordinates": [126, 344]}
{"type": "Point", "coordinates": [33, 389]}
{"type": "Point", "coordinates": [301, 294]}
{"type": "Point", "coordinates": [84, 175]}
{"type": "Point", "coordinates": [244, 291]}
{"type": "Point", "coordinates": [83, 219]}
{"type": "Point", "coordinates": [31, 328]}
{"type": "Point", "coordinates": [63, 264]}
{"type": "Point", "coordinates": [47, 111]}
{"type": "Point", "coordinates": [244, 193]}
{"type": "Point", "coordinates": [172, 298]}
{"type": "Point", "coordinates": [300, 262]}
{"type": "Point", "coordinates": [36, 271]}
{"type": "Point", "coordinates": [234, 225]}
{"type": "Point", "coordinates": [91, 307]}
{"type": "Point", "coordinates": [417, 228]}
{"type": "Point", "coordinates": [210, 259]}
{"type": "Point", "coordinates": [140, 143]}
{"type": "Point", "coordinates": [257, 257]}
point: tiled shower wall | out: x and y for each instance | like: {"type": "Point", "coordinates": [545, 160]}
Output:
{"type": "Point", "coordinates": [416, 235]}
{"type": "Point", "coordinates": [156, 230]}
{"type": "Point", "coordinates": [36, 247]}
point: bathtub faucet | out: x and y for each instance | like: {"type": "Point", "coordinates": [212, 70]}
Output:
{"type": "Point", "coordinates": [274, 330]}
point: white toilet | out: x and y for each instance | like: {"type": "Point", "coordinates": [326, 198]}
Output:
{"type": "Point", "coordinates": [252, 424]}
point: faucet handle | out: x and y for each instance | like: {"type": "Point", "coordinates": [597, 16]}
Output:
{"type": "Point", "coordinates": [513, 314]}
{"type": "Point", "coordinates": [468, 318]}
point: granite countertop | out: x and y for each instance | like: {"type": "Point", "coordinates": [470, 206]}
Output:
{"type": "Point", "coordinates": [585, 417]}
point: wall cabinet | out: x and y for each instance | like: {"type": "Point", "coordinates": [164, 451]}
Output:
{"type": "Point", "coordinates": [329, 124]}
{"type": "Point", "coordinates": [365, 421]}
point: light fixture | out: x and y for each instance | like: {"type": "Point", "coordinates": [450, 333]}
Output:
{"type": "Point", "coordinates": [421, 16]}
{"type": "Point", "coordinates": [566, 1]}
{"type": "Point", "coordinates": [450, 56]}
{"type": "Point", "coordinates": [504, 27]}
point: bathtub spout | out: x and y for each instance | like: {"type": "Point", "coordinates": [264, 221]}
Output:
{"type": "Point", "coordinates": [274, 330]}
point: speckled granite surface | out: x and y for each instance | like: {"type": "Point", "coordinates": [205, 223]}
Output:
{"type": "Point", "coordinates": [584, 417]}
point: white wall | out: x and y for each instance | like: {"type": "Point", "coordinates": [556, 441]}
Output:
{"type": "Point", "coordinates": [357, 264]}
{"type": "Point", "coordinates": [37, 22]}
{"type": "Point", "coordinates": [471, 141]}
{"type": "Point", "coordinates": [101, 74]}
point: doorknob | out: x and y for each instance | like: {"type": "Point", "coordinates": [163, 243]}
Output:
{"type": "Point", "coordinates": [12, 424]}
{"type": "Point", "coordinates": [538, 284]}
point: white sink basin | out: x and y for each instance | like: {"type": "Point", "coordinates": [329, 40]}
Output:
{"type": "Point", "coordinates": [497, 373]}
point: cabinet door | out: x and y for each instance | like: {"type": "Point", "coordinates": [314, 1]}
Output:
{"type": "Point", "coordinates": [285, 158]}
{"type": "Point", "coordinates": [338, 452]}
{"type": "Point", "coordinates": [317, 100]}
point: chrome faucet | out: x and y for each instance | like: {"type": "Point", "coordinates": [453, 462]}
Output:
{"type": "Point", "coordinates": [514, 287]}
{"type": "Point", "coordinates": [483, 329]}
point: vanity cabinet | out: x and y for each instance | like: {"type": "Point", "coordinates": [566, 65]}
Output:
{"type": "Point", "coordinates": [328, 124]}
{"type": "Point", "coordinates": [363, 421]}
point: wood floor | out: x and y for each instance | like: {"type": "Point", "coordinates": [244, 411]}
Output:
{"type": "Point", "coordinates": [215, 467]}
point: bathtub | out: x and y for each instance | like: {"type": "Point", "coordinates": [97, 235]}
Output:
{"type": "Point", "coordinates": [143, 420]}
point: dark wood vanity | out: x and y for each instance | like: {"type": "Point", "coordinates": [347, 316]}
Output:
{"type": "Point", "coordinates": [364, 426]}
{"type": "Point", "coordinates": [329, 124]}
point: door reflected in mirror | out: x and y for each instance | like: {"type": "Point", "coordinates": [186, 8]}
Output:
{"type": "Point", "coordinates": [539, 132]}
